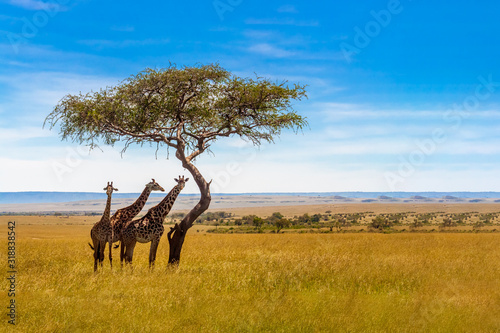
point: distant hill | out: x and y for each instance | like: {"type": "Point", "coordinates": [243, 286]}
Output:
{"type": "Point", "coordinates": [49, 197]}
{"type": "Point", "coordinates": [56, 197]}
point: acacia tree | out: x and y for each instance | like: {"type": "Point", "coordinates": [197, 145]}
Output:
{"type": "Point", "coordinates": [281, 223]}
{"type": "Point", "coordinates": [185, 109]}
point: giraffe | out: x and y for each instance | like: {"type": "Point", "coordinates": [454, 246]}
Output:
{"type": "Point", "coordinates": [149, 228]}
{"type": "Point", "coordinates": [126, 214]}
{"type": "Point", "coordinates": [101, 232]}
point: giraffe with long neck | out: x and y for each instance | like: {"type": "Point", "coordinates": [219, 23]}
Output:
{"type": "Point", "coordinates": [149, 228]}
{"type": "Point", "coordinates": [123, 215]}
{"type": "Point", "coordinates": [101, 232]}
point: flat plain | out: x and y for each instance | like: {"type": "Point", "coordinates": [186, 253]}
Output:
{"type": "Point", "coordinates": [288, 282]}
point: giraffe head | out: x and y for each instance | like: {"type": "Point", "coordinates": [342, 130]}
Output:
{"type": "Point", "coordinates": [109, 188]}
{"type": "Point", "coordinates": [181, 182]}
{"type": "Point", "coordinates": [154, 186]}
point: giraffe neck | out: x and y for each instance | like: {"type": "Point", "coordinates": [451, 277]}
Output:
{"type": "Point", "coordinates": [163, 208]}
{"type": "Point", "coordinates": [138, 205]}
{"type": "Point", "coordinates": [105, 216]}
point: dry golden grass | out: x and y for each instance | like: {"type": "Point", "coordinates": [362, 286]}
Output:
{"type": "Point", "coordinates": [254, 283]}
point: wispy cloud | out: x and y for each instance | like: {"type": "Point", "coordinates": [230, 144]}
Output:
{"type": "Point", "coordinates": [444, 178]}
{"type": "Point", "coordinates": [288, 9]}
{"type": "Point", "coordinates": [18, 64]}
{"type": "Point", "coordinates": [11, 19]}
{"type": "Point", "coordinates": [270, 50]}
{"type": "Point", "coordinates": [23, 133]}
{"type": "Point", "coordinates": [336, 111]}
{"type": "Point", "coordinates": [272, 41]}
{"type": "Point", "coordinates": [106, 43]}
{"type": "Point", "coordinates": [36, 5]}
{"type": "Point", "coordinates": [282, 21]}
{"type": "Point", "coordinates": [40, 92]}
{"type": "Point", "coordinates": [123, 28]}
{"type": "Point", "coordinates": [259, 34]}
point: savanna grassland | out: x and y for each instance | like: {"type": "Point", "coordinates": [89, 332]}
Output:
{"type": "Point", "coordinates": [311, 282]}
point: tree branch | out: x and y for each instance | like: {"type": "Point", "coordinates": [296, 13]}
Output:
{"type": "Point", "coordinates": [138, 137]}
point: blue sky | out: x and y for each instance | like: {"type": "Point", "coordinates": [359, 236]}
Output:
{"type": "Point", "coordinates": [403, 95]}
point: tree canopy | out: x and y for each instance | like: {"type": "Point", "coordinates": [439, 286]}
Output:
{"type": "Point", "coordinates": [184, 108]}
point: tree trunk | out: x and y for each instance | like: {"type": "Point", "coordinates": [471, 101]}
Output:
{"type": "Point", "coordinates": [177, 234]}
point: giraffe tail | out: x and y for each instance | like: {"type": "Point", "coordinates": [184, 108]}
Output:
{"type": "Point", "coordinates": [89, 243]}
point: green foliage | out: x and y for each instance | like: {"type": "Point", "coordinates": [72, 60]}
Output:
{"type": "Point", "coordinates": [380, 222]}
{"type": "Point", "coordinates": [276, 216]}
{"type": "Point", "coordinates": [448, 222]}
{"type": "Point", "coordinates": [316, 218]}
{"type": "Point", "coordinates": [213, 216]}
{"type": "Point", "coordinates": [304, 218]}
{"type": "Point", "coordinates": [179, 216]}
{"type": "Point", "coordinates": [257, 221]}
{"type": "Point", "coordinates": [416, 224]}
{"type": "Point", "coordinates": [187, 107]}
{"type": "Point", "coordinates": [282, 223]}
{"type": "Point", "coordinates": [478, 225]}
{"type": "Point", "coordinates": [248, 219]}
{"type": "Point", "coordinates": [341, 222]}
{"type": "Point", "coordinates": [487, 218]}
{"type": "Point", "coordinates": [353, 222]}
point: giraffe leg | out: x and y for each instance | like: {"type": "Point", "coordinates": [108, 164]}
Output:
{"type": "Point", "coordinates": [129, 251]}
{"type": "Point", "coordinates": [101, 252]}
{"type": "Point", "coordinates": [110, 256]}
{"type": "Point", "coordinates": [97, 246]}
{"type": "Point", "coordinates": [152, 252]}
{"type": "Point", "coordinates": [122, 252]}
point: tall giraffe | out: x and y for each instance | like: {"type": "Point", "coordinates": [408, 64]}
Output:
{"type": "Point", "coordinates": [101, 232]}
{"type": "Point", "coordinates": [149, 228]}
{"type": "Point", "coordinates": [124, 215]}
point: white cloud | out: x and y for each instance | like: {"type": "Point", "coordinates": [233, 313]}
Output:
{"type": "Point", "coordinates": [270, 50]}
{"type": "Point", "coordinates": [104, 43]}
{"type": "Point", "coordinates": [36, 5]}
{"type": "Point", "coordinates": [278, 44]}
{"type": "Point", "coordinates": [22, 133]}
{"type": "Point", "coordinates": [322, 149]}
{"type": "Point", "coordinates": [261, 34]}
{"type": "Point", "coordinates": [45, 58]}
{"type": "Point", "coordinates": [241, 168]}
{"type": "Point", "coordinates": [461, 147]}
{"type": "Point", "coordinates": [288, 9]}
{"type": "Point", "coordinates": [474, 179]}
{"type": "Point", "coordinates": [123, 28]}
{"type": "Point", "coordinates": [89, 174]}
{"type": "Point", "coordinates": [279, 73]}
{"type": "Point", "coordinates": [71, 168]}
{"type": "Point", "coordinates": [12, 19]}
{"type": "Point", "coordinates": [307, 175]}
{"type": "Point", "coordinates": [24, 175]}
{"type": "Point", "coordinates": [19, 64]}
{"type": "Point", "coordinates": [40, 92]}
{"type": "Point", "coordinates": [353, 130]}
{"type": "Point", "coordinates": [282, 21]}
{"type": "Point", "coordinates": [335, 111]}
